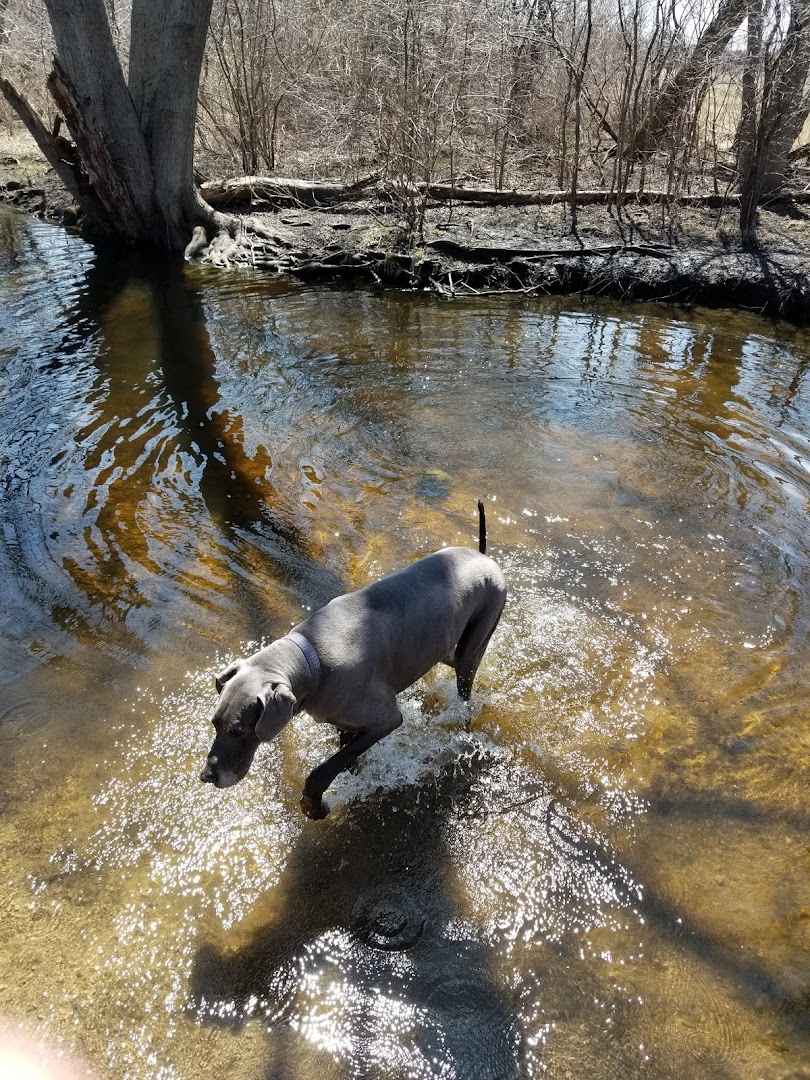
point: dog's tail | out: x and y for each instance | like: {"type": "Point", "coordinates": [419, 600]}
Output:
{"type": "Point", "coordinates": [482, 529]}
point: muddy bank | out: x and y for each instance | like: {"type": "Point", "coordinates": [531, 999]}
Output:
{"type": "Point", "coordinates": [29, 184]}
{"type": "Point", "coordinates": [466, 248]}
{"type": "Point", "coordinates": [519, 250]}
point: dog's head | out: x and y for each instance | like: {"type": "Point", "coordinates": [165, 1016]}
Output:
{"type": "Point", "coordinates": [249, 711]}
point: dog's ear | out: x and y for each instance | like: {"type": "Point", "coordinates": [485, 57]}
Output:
{"type": "Point", "coordinates": [277, 710]}
{"type": "Point", "coordinates": [225, 674]}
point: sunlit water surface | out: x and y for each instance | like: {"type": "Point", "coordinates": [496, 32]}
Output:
{"type": "Point", "coordinates": [607, 874]}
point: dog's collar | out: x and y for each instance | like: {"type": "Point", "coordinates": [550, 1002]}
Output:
{"type": "Point", "coordinates": [311, 657]}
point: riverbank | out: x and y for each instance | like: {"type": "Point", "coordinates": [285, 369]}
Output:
{"type": "Point", "coordinates": [465, 248]}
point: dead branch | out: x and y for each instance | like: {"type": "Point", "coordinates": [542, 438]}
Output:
{"type": "Point", "coordinates": [56, 150]}
{"type": "Point", "coordinates": [285, 192]}
{"type": "Point", "coordinates": [61, 155]}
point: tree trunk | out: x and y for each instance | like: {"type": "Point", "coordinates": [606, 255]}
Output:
{"type": "Point", "coordinates": [166, 52]}
{"type": "Point", "coordinates": [88, 86]}
{"type": "Point", "coordinates": [781, 116]}
{"type": "Point", "coordinates": [668, 105]}
{"type": "Point", "coordinates": [786, 111]}
{"type": "Point", "coordinates": [749, 128]}
{"type": "Point", "coordinates": [133, 144]}
{"type": "Point", "coordinates": [750, 101]}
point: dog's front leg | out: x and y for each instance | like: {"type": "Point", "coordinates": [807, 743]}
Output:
{"type": "Point", "coordinates": [320, 778]}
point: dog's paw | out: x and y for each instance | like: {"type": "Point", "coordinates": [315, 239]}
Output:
{"type": "Point", "coordinates": [314, 808]}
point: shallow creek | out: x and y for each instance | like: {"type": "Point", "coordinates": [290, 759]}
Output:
{"type": "Point", "coordinates": [605, 874]}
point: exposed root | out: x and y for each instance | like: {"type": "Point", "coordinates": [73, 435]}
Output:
{"type": "Point", "coordinates": [224, 251]}
{"type": "Point", "coordinates": [376, 249]}
{"type": "Point", "coordinates": [197, 244]}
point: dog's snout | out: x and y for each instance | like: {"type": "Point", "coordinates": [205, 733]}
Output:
{"type": "Point", "coordinates": [207, 774]}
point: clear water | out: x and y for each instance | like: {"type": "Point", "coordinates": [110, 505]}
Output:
{"type": "Point", "coordinates": [607, 875]}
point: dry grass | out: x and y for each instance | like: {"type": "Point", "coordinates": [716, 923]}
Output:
{"type": "Point", "coordinates": [17, 143]}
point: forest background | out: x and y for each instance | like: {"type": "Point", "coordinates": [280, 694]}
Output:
{"type": "Point", "coordinates": [672, 99]}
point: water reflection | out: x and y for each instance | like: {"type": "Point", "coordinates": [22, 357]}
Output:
{"type": "Point", "coordinates": [605, 876]}
{"type": "Point", "coordinates": [365, 954]}
{"type": "Point", "coordinates": [143, 485]}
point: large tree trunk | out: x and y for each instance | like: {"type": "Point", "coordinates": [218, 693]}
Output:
{"type": "Point", "coordinates": [166, 53]}
{"type": "Point", "coordinates": [133, 143]}
{"type": "Point", "coordinates": [88, 86]}
{"type": "Point", "coordinates": [669, 103]}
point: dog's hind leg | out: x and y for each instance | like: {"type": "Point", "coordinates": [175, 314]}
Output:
{"type": "Point", "coordinates": [471, 648]}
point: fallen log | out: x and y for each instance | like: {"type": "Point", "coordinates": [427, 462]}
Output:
{"type": "Point", "coordinates": [286, 192]}
{"type": "Point", "coordinates": [483, 253]}
{"type": "Point", "coordinates": [280, 191]}
{"type": "Point", "coordinates": [587, 197]}
{"type": "Point", "coordinates": [592, 197]}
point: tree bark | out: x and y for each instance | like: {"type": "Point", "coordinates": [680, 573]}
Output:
{"type": "Point", "coordinates": [166, 52]}
{"type": "Point", "coordinates": [89, 84]}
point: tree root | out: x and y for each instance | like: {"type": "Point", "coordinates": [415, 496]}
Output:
{"type": "Point", "coordinates": [197, 244]}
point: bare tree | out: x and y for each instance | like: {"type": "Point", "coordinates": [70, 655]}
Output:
{"type": "Point", "coordinates": [261, 57]}
{"type": "Point", "coordinates": [777, 107]}
{"type": "Point", "coordinates": [131, 163]}
{"type": "Point", "coordinates": [668, 103]}
{"type": "Point", "coordinates": [786, 105]}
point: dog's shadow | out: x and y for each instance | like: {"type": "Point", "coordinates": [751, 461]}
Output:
{"type": "Point", "coordinates": [360, 961]}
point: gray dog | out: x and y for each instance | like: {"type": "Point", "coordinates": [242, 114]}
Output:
{"type": "Point", "coordinates": [346, 663]}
